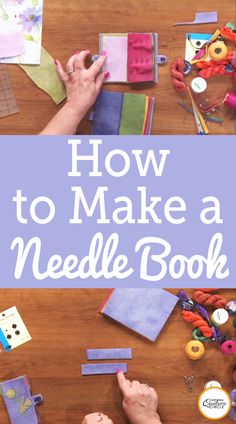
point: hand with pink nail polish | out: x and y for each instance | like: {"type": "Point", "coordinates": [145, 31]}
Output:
{"type": "Point", "coordinates": [82, 87]}
{"type": "Point", "coordinates": [140, 401]}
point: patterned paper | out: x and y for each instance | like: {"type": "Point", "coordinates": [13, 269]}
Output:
{"type": "Point", "coordinates": [24, 16]}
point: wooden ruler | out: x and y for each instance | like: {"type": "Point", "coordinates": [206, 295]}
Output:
{"type": "Point", "coordinates": [8, 105]}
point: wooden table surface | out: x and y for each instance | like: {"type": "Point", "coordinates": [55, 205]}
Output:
{"type": "Point", "coordinates": [75, 24]}
{"type": "Point", "coordinates": [63, 323]}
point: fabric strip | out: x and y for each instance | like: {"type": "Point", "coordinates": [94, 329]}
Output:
{"type": "Point", "coordinates": [117, 353]}
{"type": "Point", "coordinates": [133, 114]}
{"type": "Point", "coordinates": [45, 77]}
{"type": "Point", "coordinates": [107, 113]}
{"type": "Point", "coordinates": [140, 58]}
{"type": "Point", "coordinates": [94, 369]}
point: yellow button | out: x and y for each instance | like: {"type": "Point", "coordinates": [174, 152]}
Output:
{"type": "Point", "coordinates": [11, 394]}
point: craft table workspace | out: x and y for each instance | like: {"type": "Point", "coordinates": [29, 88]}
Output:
{"type": "Point", "coordinates": [64, 323]}
{"type": "Point", "coordinates": [76, 24]}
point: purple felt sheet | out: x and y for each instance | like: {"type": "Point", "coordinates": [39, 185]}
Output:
{"type": "Point", "coordinates": [95, 369]}
{"type": "Point", "coordinates": [120, 353]}
{"type": "Point", "coordinates": [116, 47]}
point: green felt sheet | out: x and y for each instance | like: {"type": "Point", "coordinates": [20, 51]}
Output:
{"type": "Point", "coordinates": [45, 77]}
{"type": "Point", "coordinates": [133, 114]}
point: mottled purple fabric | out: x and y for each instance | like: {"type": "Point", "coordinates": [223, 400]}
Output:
{"type": "Point", "coordinates": [97, 354]}
{"type": "Point", "coordinates": [93, 369]}
{"type": "Point", "coordinates": [144, 310]}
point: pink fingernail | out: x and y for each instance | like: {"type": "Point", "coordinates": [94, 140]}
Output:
{"type": "Point", "coordinates": [78, 51]}
{"type": "Point", "coordinates": [104, 53]}
{"type": "Point", "coordinates": [107, 74]}
{"type": "Point", "coordinates": [56, 62]}
{"type": "Point", "coordinates": [118, 372]}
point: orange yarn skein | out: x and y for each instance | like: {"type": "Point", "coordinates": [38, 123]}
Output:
{"type": "Point", "coordinates": [198, 322]}
{"type": "Point", "coordinates": [205, 297]}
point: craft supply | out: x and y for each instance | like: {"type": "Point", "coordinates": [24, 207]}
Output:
{"type": "Point", "coordinates": [97, 354]}
{"type": "Point", "coordinates": [46, 78]}
{"type": "Point", "coordinates": [219, 317]}
{"type": "Point", "coordinates": [206, 116]}
{"type": "Point", "coordinates": [109, 368]}
{"type": "Point", "coordinates": [11, 43]}
{"type": "Point", "coordinates": [209, 298]}
{"type": "Point", "coordinates": [201, 18]}
{"type": "Point", "coordinates": [24, 18]}
{"type": "Point", "coordinates": [199, 115]}
{"type": "Point", "coordinates": [20, 403]}
{"type": "Point", "coordinates": [211, 384]}
{"type": "Point", "coordinates": [131, 57]}
{"type": "Point", "coordinates": [197, 335]}
{"type": "Point", "coordinates": [13, 332]}
{"type": "Point", "coordinates": [177, 74]}
{"type": "Point", "coordinates": [230, 100]}
{"type": "Point", "coordinates": [198, 322]}
{"type": "Point", "coordinates": [214, 403]}
{"type": "Point", "coordinates": [144, 311]}
{"type": "Point", "coordinates": [231, 307]}
{"type": "Point", "coordinates": [194, 349]}
{"type": "Point", "coordinates": [195, 42]}
{"type": "Point", "coordinates": [228, 347]}
{"type": "Point", "coordinates": [198, 85]}
{"type": "Point", "coordinates": [122, 113]}
{"type": "Point", "coordinates": [189, 382]}
{"type": "Point", "coordinates": [8, 105]}
{"type": "Point", "coordinates": [187, 68]}
{"type": "Point", "coordinates": [218, 50]}
{"type": "Point", "coordinates": [232, 411]}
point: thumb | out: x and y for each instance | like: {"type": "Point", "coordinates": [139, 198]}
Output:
{"type": "Point", "coordinates": [122, 382]}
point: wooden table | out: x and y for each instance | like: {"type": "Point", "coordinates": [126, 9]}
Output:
{"type": "Point", "coordinates": [75, 24]}
{"type": "Point", "coordinates": [63, 323]}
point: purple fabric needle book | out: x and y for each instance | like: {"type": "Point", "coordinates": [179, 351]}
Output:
{"type": "Point", "coordinates": [20, 403]}
{"type": "Point", "coordinates": [144, 311]}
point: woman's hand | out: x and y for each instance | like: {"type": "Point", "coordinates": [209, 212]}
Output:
{"type": "Point", "coordinates": [82, 85]}
{"type": "Point", "coordinates": [97, 417]}
{"type": "Point", "coordinates": [82, 88]}
{"type": "Point", "coordinates": [140, 401]}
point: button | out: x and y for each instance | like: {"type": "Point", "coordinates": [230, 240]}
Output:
{"type": "Point", "coordinates": [11, 394]}
{"type": "Point", "coordinates": [231, 307]}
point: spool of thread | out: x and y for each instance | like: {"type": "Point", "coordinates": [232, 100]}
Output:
{"type": "Point", "coordinates": [198, 85]}
{"type": "Point", "coordinates": [230, 100]}
{"type": "Point", "coordinates": [219, 317]}
{"type": "Point", "coordinates": [228, 347]}
{"type": "Point", "coordinates": [194, 349]}
{"type": "Point", "coordinates": [218, 50]}
{"type": "Point", "coordinates": [211, 384]}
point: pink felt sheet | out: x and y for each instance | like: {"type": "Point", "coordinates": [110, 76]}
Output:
{"type": "Point", "coordinates": [140, 57]}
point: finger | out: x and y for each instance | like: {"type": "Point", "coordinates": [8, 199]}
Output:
{"type": "Point", "coordinates": [70, 64]}
{"type": "Point", "coordinates": [96, 67]}
{"type": "Point", "coordinates": [100, 79]}
{"type": "Point", "coordinates": [79, 60]}
{"type": "Point", "coordinates": [122, 382]}
{"type": "Point", "coordinates": [62, 74]}
{"type": "Point", "coordinates": [136, 385]}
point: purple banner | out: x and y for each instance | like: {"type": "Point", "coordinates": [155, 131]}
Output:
{"type": "Point", "coordinates": [117, 211]}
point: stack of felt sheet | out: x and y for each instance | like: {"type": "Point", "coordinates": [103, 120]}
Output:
{"type": "Point", "coordinates": [131, 57]}
{"type": "Point", "coordinates": [118, 113]}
